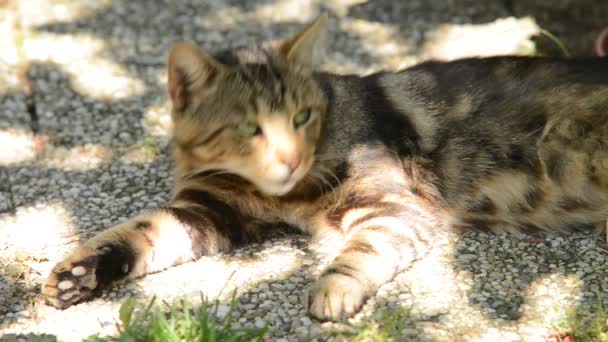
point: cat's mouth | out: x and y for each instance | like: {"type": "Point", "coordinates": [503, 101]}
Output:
{"type": "Point", "coordinates": [284, 186]}
{"type": "Point", "coordinates": [268, 186]}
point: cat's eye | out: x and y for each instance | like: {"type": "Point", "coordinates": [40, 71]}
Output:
{"type": "Point", "coordinates": [249, 129]}
{"type": "Point", "coordinates": [301, 118]}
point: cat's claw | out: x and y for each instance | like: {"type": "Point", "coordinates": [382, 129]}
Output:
{"type": "Point", "coordinates": [335, 297]}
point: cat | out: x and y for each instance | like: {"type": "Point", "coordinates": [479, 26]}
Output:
{"type": "Point", "coordinates": [385, 162]}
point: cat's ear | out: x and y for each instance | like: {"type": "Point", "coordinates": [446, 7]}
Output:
{"type": "Point", "coordinates": [302, 48]}
{"type": "Point", "coordinates": [189, 69]}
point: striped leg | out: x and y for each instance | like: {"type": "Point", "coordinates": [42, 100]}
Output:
{"type": "Point", "coordinates": [148, 243]}
{"type": "Point", "coordinates": [384, 240]}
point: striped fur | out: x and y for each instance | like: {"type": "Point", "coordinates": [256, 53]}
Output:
{"type": "Point", "coordinates": [386, 161]}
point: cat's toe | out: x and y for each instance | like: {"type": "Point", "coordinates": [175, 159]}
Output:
{"type": "Point", "coordinates": [79, 276]}
{"type": "Point", "coordinates": [71, 281]}
{"type": "Point", "coordinates": [335, 297]}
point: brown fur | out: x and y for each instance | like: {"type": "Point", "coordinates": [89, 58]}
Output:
{"type": "Point", "coordinates": [386, 161]}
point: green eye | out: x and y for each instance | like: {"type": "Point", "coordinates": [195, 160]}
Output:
{"type": "Point", "coordinates": [301, 118]}
{"type": "Point", "coordinates": [249, 129]}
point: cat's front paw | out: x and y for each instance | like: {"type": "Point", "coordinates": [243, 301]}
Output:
{"type": "Point", "coordinates": [79, 276]}
{"type": "Point", "coordinates": [335, 296]}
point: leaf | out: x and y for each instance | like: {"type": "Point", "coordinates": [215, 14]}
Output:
{"type": "Point", "coordinates": [126, 312]}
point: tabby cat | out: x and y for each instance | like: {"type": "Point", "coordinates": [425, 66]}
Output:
{"type": "Point", "coordinates": [386, 162]}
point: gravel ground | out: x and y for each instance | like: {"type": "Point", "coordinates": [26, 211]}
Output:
{"type": "Point", "coordinates": [86, 147]}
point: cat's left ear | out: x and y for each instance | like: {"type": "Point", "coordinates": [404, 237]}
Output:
{"type": "Point", "coordinates": [302, 48]}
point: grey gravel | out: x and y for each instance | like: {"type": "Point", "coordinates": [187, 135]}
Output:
{"type": "Point", "coordinates": [93, 151]}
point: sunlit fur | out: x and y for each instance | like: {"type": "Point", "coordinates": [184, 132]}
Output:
{"type": "Point", "coordinates": [209, 136]}
{"type": "Point", "coordinates": [386, 163]}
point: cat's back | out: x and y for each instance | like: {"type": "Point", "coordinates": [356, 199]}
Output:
{"type": "Point", "coordinates": [428, 101]}
{"type": "Point", "coordinates": [511, 139]}
{"type": "Point", "coordinates": [521, 139]}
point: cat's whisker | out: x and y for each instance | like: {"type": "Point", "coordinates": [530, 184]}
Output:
{"type": "Point", "coordinates": [333, 190]}
{"type": "Point", "coordinates": [340, 193]}
{"type": "Point", "coordinates": [194, 173]}
{"type": "Point", "coordinates": [317, 181]}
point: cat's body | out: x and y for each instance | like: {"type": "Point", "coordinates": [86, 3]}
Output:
{"type": "Point", "coordinates": [385, 161]}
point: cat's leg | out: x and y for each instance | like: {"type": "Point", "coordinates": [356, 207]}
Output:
{"type": "Point", "coordinates": [381, 240]}
{"type": "Point", "coordinates": [199, 225]}
{"type": "Point", "coordinates": [144, 244]}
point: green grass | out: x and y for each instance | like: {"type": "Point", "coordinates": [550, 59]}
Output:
{"type": "Point", "coordinates": [183, 322]}
{"type": "Point", "coordinates": [556, 41]}
{"type": "Point", "coordinates": [388, 325]}
{"type": "Point", "coordinates": [529, 48]}
{"type": "Point", "coordinates": [179, 322]}
{"type": "Point", "coordinates": [584, 323]}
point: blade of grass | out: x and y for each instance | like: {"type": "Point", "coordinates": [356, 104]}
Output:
{"type": "Point", "coordinates": [555, 40]}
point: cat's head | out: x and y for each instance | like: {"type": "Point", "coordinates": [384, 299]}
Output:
{"type": "Point", "coordinates": [255, 112]}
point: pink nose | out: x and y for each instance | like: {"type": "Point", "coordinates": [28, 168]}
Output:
{"type": "Point", "coordinates": [292, 161]}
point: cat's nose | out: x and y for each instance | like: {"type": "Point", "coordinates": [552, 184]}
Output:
{"type": "Point", "coordinates": [292, 161]}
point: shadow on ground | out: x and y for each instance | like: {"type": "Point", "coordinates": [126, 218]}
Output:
{"type": "Point", "coordinates": [137, 35]}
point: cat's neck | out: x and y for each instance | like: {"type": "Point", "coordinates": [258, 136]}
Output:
{"type": "Point", "coordinates": [336, 131]}
{"type": "Point", "coordinates": [342, 123]}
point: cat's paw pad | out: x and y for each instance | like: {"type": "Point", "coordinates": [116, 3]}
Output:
{"type": "Point", "coordinates": [335, 297]}
{"type": "Point", "coordinates": [76, 278]}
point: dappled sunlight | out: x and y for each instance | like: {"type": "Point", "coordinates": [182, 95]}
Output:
{"type": "Point", "coordinates": [9, 80]}
{"type": "Point", "coordinates": [213, 277]}
{"type": "Point", "coordinates": [436, 290]}
{"type": "Point", "coordinates": [45, 12]}
{"type": "Point", "coordinates": [233, 17]}
{"type": "Point", "coordinates": [298, 11]}
{"type": "Point", "coordinates": [91, 156]}
{"type": "Point", "coordinates": [383, 41]}
{"type": "Point", "coordinates": [505, 36]}
{"type": "Point", "coordinates": [431, 282]}
{"type": "Point", "coordinates": [40, 231]}
{"type": "Point", "coordinates": [20, 146]}
{"type": "Point", "coordinates": [157, 117]}
{"type": "Point", "coordinates": [157, 120]}
{"type": "Point", "coordinates": [79, 56]}
{"type": "Point", "coordinates": [9, 55]}
{"type": "Point", "coordinates": [287, 11]}
{"type": "Point", "coordinates": [390, 50]}
{"type": "Point", "coordinates": [220, 276]}
{"type": "Point", "coordinates": [81, 326]}
{"type": "Point", "coordinates": [76, 158]}
{"type": "Point", "coordinates": [223, 19]}
{"type": "Point", "coordinates": [101, 113]}
{"type": "Point", "coordinates": [143, 152]}
{"type": "Point", "coordinates": [547, 302]}
{"type": "Point", "coordinates": [17, 147]}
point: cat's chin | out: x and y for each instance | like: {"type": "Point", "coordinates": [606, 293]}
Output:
{"type": "Point", "coordinates": [281, 188]}
{"type": "Point", "coordinates": [277, 189]}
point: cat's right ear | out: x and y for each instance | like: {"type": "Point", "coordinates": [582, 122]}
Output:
{"type": "Point", "coordinates": [189, 70]}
